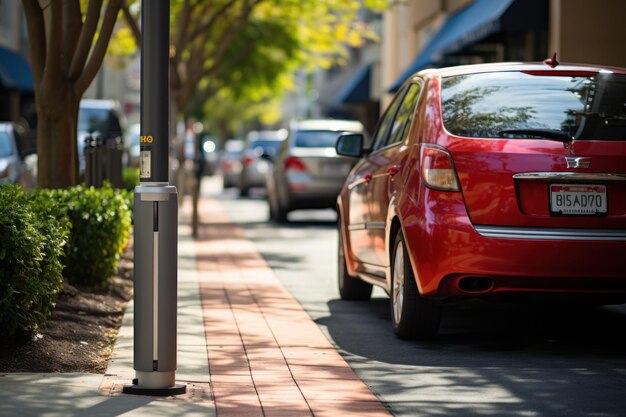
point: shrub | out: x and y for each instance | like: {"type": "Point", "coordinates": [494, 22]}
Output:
{"type": "Point", "coordinates": [52, 220]}
{"type": "Point", "coordinates": [33, 237]}
{"type": "Point", "coordinates": [84, 229]}
{"type": "Point", "coordinates": [101, 221]}
{"type": "Point", "coordinates": [130, 178]}
{"type": "Point", "coordinates": [129, 199]}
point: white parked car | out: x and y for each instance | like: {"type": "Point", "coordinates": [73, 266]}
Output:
{"type": "Point", "coordinates": [13, 155]}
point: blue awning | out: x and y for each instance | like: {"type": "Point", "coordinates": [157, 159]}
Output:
{"type": "Point", "coordinates": [357, 89]}
{"type": "Point", "coordinates": [15, 73]}
{"type": "Point", "coordinates": [467, 26]}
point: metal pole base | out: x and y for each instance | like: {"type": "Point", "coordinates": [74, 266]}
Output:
{"type": "Point", "coordinates": [155, 392]}
{"type": "Point", "coordinates": [157, 384]}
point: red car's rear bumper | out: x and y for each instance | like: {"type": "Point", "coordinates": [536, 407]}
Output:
{"type": "Point", "coordinates": [451, 256]}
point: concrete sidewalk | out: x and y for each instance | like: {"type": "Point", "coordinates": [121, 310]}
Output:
{"type": "Point", "coordinates": [245, 347]}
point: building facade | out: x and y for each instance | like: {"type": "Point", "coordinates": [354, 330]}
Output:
{"type": "Point", "coordinates": [419, 34]}
{"type": "Point", "coordinates": [16, 85]}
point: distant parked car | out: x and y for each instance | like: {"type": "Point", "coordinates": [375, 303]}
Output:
{"type": "Point", "coordinates": [307, 172]}
{"type": "Point", "coordinates": [13, 154]}
{"type": "Point", "coordinates": [488, 180]}
{"type": "Point", "coordinates": [102, 118]}
{"type": "Point", "coordinates": [261, 147]}
{"type": "Point", "coordinates": [135, 145]}
{"type": "Point", "coordinates": [230, 163]}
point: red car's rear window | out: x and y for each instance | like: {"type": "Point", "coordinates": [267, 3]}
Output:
{"type": "Point", "coordinates": [581, 106]}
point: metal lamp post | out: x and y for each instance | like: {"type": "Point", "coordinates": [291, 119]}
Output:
{"type": "Point", "coordinates": [156, 219]}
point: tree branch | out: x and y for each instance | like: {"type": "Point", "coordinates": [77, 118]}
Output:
{"type": "Point", "coordinates": [52, 72]}
{"type": "Point", "coordinates": [37, 37]}
{"type": "Point", "coordinates": [232, 31]}
{"type": "Point", "coordinates": [193, 67]}
{"type": "Point", "coordinates": [183, 26]}
{"type": "Point", "coordinates": [100, 48]}
{"type": "Point", "coordinates": [196, 69]}
{"type": "Point", "coordinates": [131, 21]}
{"type": "Point", "coordinates": [73, 23]}
{"type": "Point", "coordinates": [85, 40]}
{"type": "Point", "coordinates": [201, 95]}
{"type": "Point", "coordinates": [206, 27]}
{"type": "Point", "coordinates": [226, 40]}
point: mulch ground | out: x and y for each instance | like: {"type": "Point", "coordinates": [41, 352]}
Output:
{"type": "Point", "coordinates": [79, 336]}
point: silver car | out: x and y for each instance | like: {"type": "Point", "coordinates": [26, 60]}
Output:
{"type": "Point", "coordinates": [13, 152]}
{"type": "Point", "coordinates": [307, 172]}
{"type": "Point", "coordinates": [260, 150]}
{"type": "Point", "coordinates": [230, 163]}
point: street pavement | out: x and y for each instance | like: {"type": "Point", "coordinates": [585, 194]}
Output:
{"type": "Point", "coordinates": [246, 347]}
{"type": "Point", "coordinates": [489, 359]}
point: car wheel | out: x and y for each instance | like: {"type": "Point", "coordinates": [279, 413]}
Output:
{"type": "Point", "coordinates": [350, 288]}
{"type": "Point", "coordinates": [412, 316]}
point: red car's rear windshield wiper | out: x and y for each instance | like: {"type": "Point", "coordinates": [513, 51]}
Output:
{"type": "Point", "coordinates": [543, 133]}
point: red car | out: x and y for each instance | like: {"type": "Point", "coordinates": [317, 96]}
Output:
{"type": "Point", "coordinates": [484, 180]}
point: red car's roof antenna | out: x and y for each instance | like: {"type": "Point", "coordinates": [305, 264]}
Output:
{"type": "Point", "coordinates": [551, 62]}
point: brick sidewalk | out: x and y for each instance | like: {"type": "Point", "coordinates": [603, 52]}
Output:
{"type": "Point", "coordinates": [266, 356]}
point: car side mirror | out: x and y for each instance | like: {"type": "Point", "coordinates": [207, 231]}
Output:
{"type": "Point", "coordinates": [350, 144]}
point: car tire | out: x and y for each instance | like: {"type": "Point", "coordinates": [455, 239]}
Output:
{"type": "Point", "coordinates": [350, 287]}
{"type": "Point", "coordinates": [412, 316]}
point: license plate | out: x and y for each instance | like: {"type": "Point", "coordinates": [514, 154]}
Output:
{"type": "Point", "coordinates": [573, 199]}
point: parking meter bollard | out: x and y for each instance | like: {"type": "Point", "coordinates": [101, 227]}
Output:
{"type": "Point", "coordinates": [156, 212]}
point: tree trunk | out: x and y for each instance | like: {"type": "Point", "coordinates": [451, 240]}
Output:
{"type": "Point", "coordinates": [56, 137]}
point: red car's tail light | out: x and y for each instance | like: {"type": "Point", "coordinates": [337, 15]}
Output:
{"type": "Point", "coordinates": [437, 169]}
{"type": "Point", "coordinates": [294, 164]}
{"type": "Point", "coordinates": [247, 160]}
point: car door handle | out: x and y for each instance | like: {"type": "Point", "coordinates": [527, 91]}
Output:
{"type": "Point", "coordinates": [393, 170]}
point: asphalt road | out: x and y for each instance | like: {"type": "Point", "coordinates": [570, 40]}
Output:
{"type": "Point", "coordinates": [490, 359]}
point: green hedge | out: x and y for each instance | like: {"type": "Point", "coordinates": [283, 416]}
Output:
{"type": "Point", "coordinates": [130, 178]}
{"type": "Point", "coordinates": [101, 222]}
{"type": "Point", "coordinates": [47, 235]}
{"type": "Point", "coordinates": [31, 249]}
